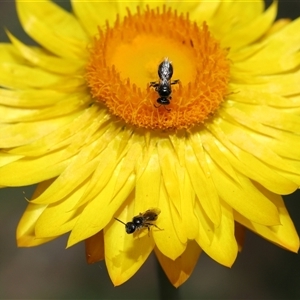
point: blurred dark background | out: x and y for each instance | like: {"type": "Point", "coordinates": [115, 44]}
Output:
{"type": "Point", "coordinates": [261, 271]}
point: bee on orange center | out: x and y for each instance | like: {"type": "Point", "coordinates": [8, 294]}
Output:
{"type": "Point", "coordinates": [163, 86]}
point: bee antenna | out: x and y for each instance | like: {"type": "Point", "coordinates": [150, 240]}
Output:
{"type": "Point", "coordinates": [120, 221]}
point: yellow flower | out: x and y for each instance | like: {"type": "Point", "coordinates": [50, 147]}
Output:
{"type": "Point", "coordinates": [85, 116]}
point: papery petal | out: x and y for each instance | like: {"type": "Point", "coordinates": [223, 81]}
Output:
{"type": "Point", "coordinates": [45, 61]}
{"type": "Point", "coordinates": [223, 246]}
{"type": "Point", "coordinates": [94, 248]}
{"type": "Point", "coordinates": [53, 28]}
{"type": "Point", "coordinates": [125, 254]}
{"type": "Point", "coordinates": [201, 179]}
{"type": "Point", "coordinates": [237, 38]}
{"type": "Point", "coordinates": [284, 234]}
{"type": "Point", "coordinates": [168, 235]}
{"type": "Point", "coordinates": [26, 228]}
{"type": "Point", "coordinates": [180, 269]}
{"type": "Point", "coordinates": [239, 232]}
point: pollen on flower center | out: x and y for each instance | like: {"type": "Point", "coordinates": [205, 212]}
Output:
{"type": "Point", "coordinates": [124, 59]}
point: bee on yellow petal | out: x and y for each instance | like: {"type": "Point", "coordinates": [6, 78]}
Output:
{"type": "Point", "coordinates": [143, 220]}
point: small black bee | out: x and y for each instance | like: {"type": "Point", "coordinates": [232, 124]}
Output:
{"type": "Point", "coordinates": [163, 87]}
{"type": "Point", "coordinates": [143, 220]}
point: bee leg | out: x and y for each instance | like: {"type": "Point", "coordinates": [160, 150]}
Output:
{"type": "Point", "coordinates": [154, 84]}
{"type": "Point", "coordinates": [175, 81]}
{"type": "Point", "coordinates": [157, 227]}
{"type": "Point", "coordinates": [163, 106]}
{"type": "Point", "coordinates": [150, 224]}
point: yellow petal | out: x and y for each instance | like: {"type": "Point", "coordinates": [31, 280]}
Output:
{"type": "Point", "coordinates": [167, 222]}
{"type": "Point", "coordinates": [93, 219]}
{"type": "Point", "coordinates": [9, 54]}
{"type": "Point", "coordinates": [37, 169]}
{"type": "Point", "coordinates": [30, 97]}
{"type": "Point", "coordinates": [258, 97]}
{"type": "Point", "coordinates": [244, 138]}
{"type": "Point", "coordinates": [16, 76]}
{"type": "Point", "coordinates": [6, 158]}
{"type": "Point", "coordinates": [180, 269]}
{"type": "Point", "coordinates": [239, 232]}
{"type": "Point", "coordinates": [125, 254]}
{"type": "Point", "coordinates": [59, 218]}
{"type": "Point", "coordinates": [113, 146]}
{"type": "Point", "coordinates": [204, 11]}
{"type": "Point", "coordinates": [217, 154]}
{"type": "Point", "coordinates": [170, 169]}
{"type": "Point", "coordinates": [189, 219]}
{"type": "Point", "coordinates": [284, 235]}
{"type": "Point", "coordinates": [43, 60]}
{"type": "Point", "coordinates": [231, 15]}
{"type": "Point", "coordinates": [114, 193]}
{"type": "Point", "coordinates": [168, 164]}
{"type": "Point", "coordinates": [53, 28]}
{"type": "Point", "coordinates": [279, 53]}
{"type": "Point", "coordinates": [241, 36]}
{"type": "Point", "coordinates": [62, 134]}
{"type": "Point", "coordinates": [147, 190]}
{"type": "Point", "coordinates": [248, 165]}
{"type": "Point", "coordinates": [78, 171]}
{"type": "Point", "coordinates": [206, 227]}
{"type": "Point", "coordinates": [34, 169]}
{"type": "Point", "coordinates": [93, 13]}
{"type": "Point", "coordinates": [282, 84]}
{"type": "Point", "coordinates": [277, 129]}
{"type": "Point", "coordinates": [26, 227]}
{"type": "Point", "coordinates": [94, 248]}
{"type": "Point", "coordinates": [223, 247]}
{"type": "Point", "coordinates": [71, 104]}
{"type": "Point", "coordinates": [260, 115]}
{"type": "Point", "coordinates": [244, 197]}
{"type": "Point", "coordinates": [276, 27]}
{"type": "Point", "coordinates": [201, 179]}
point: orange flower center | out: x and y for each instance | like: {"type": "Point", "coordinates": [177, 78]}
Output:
{"type": "Point", "coordinates": [123, 70]}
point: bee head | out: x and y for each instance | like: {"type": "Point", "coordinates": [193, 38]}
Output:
{"type": "Point", "coordinates": [130, 227]}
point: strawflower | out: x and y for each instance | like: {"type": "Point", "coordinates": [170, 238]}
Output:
{"type": "Point", "coordinates": [80, 117]}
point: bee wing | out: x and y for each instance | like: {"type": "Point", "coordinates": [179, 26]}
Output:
{"type": "Point", "coordinates": [151, 214]}
{"type": "Point", "coordinates": [155, 210]}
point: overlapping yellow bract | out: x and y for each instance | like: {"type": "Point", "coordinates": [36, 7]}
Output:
{"type": "Point", "coordinates": [91, 166]}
